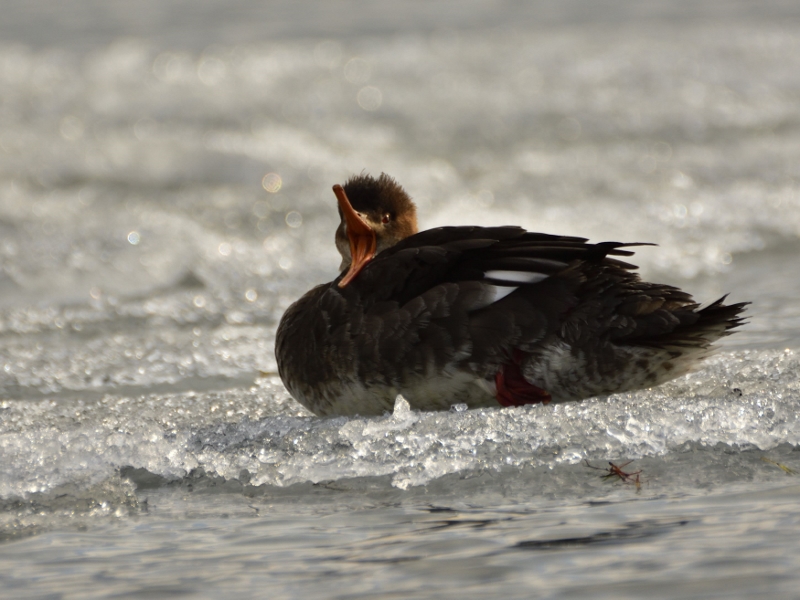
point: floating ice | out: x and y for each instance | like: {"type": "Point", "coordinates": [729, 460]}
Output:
{"type": "Point", "coordinates": [741, 400]}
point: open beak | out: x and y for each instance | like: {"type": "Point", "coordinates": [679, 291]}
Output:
{"type": "Point", "coordinates": [361, 237]}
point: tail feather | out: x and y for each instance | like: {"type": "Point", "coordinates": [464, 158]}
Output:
{"type": "Point", "coordinates": [715, 321]}
{"type": "Point", "coordinates": [722, 318]}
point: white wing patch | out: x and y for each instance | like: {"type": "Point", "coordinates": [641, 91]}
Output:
{"type": "Point", "coordinates": [497, 293]}
{"type": "Point", "coordinates": [516, 276]}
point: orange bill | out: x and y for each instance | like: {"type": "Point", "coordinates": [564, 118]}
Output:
{"type": "Point", "coordinates": [362, 238]}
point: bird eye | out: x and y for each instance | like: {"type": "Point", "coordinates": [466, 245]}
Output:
{"type": "Point", "coordinates": [386, 218]}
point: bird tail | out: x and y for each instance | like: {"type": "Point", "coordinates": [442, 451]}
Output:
{"type": "Point", "coordinates": [718, 319]}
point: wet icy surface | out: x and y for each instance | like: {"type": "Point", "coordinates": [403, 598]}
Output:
{"type": "Point", "coordinates": [164, 199]}
{"type": "Point", "coordinates": [745, 401]}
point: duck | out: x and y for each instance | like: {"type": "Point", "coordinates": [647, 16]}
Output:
{"type": "Point", "coordinates": [480, 316]}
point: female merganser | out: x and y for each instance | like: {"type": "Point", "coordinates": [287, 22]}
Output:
{"type": "Point", "coordinates": [484, 316]}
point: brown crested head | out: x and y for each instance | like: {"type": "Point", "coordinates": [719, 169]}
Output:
{"type": "Point", "coordinates": [375, 215]}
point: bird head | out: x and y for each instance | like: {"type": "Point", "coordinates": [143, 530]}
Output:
{"type": "Point", "coordinates": [375, 215]}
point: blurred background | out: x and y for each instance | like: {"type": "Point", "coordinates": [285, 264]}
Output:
{"type": "Point", "coordinates": [166, 167]}
{"type": "Point", "coordinates": [194, 143]}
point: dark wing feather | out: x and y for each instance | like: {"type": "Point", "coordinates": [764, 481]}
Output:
{"type": "Point", "coordinates": [458, 254]}
{"type": "Point", "coordinates": [439, 277]}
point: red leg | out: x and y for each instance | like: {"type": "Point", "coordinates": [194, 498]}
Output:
{"type": "Point", "coordinates": [514, 390]}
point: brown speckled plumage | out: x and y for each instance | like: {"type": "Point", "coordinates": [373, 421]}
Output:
{"type": "Point", "coordinates": [437, 315]}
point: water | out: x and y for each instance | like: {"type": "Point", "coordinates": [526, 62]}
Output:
{"type": "Point", "coordinates": [165, 194]}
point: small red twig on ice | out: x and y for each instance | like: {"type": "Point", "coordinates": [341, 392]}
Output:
{"type": "Point", "coordinates": [616, 471]}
